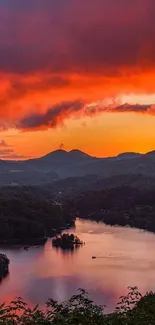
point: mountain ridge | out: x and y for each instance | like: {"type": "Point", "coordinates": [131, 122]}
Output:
{"type": "Point", "coordinates": [81, 153]}
{"type": "Point", "coordinates": [76, 152]}
{"type": "Point", "coordinates": [61, 164]}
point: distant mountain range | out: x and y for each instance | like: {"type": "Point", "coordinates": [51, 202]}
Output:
{"type": "Point", "coordinates": [61, 164]}
{"type": "Point", "coordinates": [73, 155]}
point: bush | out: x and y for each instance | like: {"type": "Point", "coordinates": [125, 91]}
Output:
{"type": "Point", "coordinates": [4, 265]}
{"type": "Point", "coordinates": [132, 309]}
{"type": "Point", "coordinates": [66, 241]}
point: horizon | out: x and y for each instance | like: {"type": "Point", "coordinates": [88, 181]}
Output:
{"type": "Point", "coordinates": [75, 149]}
{"type": "Point", "coordinates": [89, 86]}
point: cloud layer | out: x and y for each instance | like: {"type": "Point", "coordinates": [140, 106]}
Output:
{"type": "Point", "coordinates": [78, 36]}
{"type": "Point", "coordinates": [57, 115]}
{"type": "Point", "coordinates": [52, 117]}
{"type": "Point", "coordinates": [3, 144]}
{"type": "Point", "coordinates": [56, 51]}
{"type": "Point", "coordinates": [7, 151]}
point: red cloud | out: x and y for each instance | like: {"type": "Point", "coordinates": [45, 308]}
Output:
{"type": "Point", "coordinates": [53, 51]}
{"type": "Point", "coordinates": [78, 36]}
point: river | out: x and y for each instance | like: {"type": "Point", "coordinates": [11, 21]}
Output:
{"type": "Point", "coordinates": [125, 257]}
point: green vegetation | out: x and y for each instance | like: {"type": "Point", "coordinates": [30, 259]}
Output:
{"type": "Point", "coordinates": [26, 217]}
{"type": "Point", "coordinates": [132, 309]}
{"type": "Point", "coordinates": [66, 241]}
{"type": "Point", "coordinates": [131, 203]}
{"type": "Point", "coordinates": [29, 214]}
{"type": "Point", "coordinates": [122, 206]}
{"type": "Point", "coordinates": [4, 266]}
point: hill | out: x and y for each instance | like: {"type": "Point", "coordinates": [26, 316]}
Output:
{"type": "Point", "coordinates": [66, 155]}
{"type": "Point", "coordinates": [61, 164]}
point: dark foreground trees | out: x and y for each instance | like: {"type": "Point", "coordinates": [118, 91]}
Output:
{"type": "Point", "coordinates": [4, 266]}
{"type": "Point", "coordinates": [80, 310]}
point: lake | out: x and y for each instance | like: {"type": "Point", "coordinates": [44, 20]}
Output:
{"type": "Point", "coordinates": [125, 257]}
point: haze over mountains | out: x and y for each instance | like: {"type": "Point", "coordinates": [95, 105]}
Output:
{"type": "Point", "coordinates": [61, 164]}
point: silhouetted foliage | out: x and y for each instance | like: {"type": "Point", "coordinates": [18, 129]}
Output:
{"type": "Point", "coordinates": [132, 309]}
{"type": "Point", "coordinates": [66, 241]}
{"type": "Point", "coordinates": [4, 265]}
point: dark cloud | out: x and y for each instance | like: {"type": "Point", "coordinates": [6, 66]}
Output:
{"type": "Point", "coordinates": [56, 115]}
{"type": "Point", "coordinates": [7, 152]}
{"type": "Point", "coordinates": [52, 117]}
{"type": "Point", "coordinates": [101, 107]}
{"type": "Point", "coordinates": [79, 36]}
{"type": "Point", "coordinates": [12, 156]}
{"type": "Point", "coordinates": [56, 50]}
{"type": "Point", "coordinates": [60, 113]}
{"type": "Point", "coordinates": [137, 108]}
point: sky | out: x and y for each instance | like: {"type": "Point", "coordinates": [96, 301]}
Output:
{"type": "Point", "coordinates": [76, 74]}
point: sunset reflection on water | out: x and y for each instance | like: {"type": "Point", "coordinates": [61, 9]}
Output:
{"type": "Point", "coordinates": [125, 257]}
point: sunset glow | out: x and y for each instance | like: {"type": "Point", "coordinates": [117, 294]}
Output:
{"type": "Point", "coordinates": [77, 73]}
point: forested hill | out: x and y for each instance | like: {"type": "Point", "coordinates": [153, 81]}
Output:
{"type": "Point", "coordinates": [36, 212]}
{"type": "Point", "coordinates": [25, 216]}
{"type": "Point", "coordinates": [124, 205]}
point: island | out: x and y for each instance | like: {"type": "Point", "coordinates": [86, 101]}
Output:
{"type": "Point", "coordinates": [67, 241]}
{"type": "Point", "coordinates": [4, 266]}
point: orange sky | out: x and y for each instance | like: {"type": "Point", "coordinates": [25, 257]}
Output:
{"type": "Point", "coordinates": [62, 63]}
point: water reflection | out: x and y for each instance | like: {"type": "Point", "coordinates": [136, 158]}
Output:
{"type": "Point", "coordinates": [67, 250]}
{"type": "Point", "coordinates": [125, 257]}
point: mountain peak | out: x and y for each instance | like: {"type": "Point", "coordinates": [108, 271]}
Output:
{"type": "Point", "coordinates": [78, 152]}
{"type": "Point", "coordinates": [63, 155]}
{"type": "Point", "coordinates": [128, 155]}
{"type": "Point", "coordinates": [75, 150]}
{"type": "Point", "coordinates": [56, 154]}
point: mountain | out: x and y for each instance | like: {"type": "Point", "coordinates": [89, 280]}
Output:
{"type": "Point", "coordinates": [150, 154]}
{"type": "Point", "coordinates": [80, 154]}
{"type": "Point", "coordinates": [56, 155]}
{"type": "Point", "coordinates": [128, 155]}
{"type": "Point", "coordinates": [61, 164]}
{"type": "Point", "coordinates": [63, 156]}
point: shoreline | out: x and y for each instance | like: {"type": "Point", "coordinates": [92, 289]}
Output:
{"type": "Point", "coordinates": [31, 242]}
{"type": "Point", "coordinates": [124, 225]}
